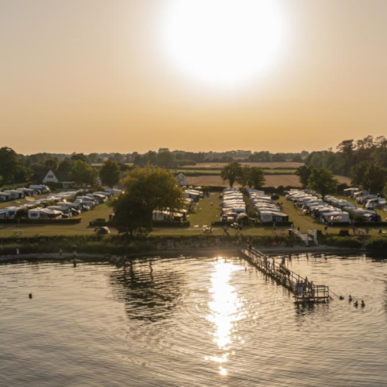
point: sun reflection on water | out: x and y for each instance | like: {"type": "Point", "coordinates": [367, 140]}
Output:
{"type": "Point", "coordinates": [225, 309]}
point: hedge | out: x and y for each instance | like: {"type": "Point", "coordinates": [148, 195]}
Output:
{"type": "Point", "coordinates": [377, 244]}
{"type": "Point", "coordinates": [166, 224]}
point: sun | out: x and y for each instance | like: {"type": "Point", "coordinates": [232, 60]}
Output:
{"type": "Point", "coordinates": [223, 43]}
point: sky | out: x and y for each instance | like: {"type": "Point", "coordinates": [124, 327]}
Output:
{"type": "Point", "coordinates": [98, 76]}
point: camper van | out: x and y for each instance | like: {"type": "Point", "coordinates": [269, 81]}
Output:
{"type": "Point", "coordinates": [40, 187]}
{"type": "Point", "coordinates": [44, 213]}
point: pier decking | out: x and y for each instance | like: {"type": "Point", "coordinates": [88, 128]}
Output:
{"type": "Point", "coordinates": [304, 291]}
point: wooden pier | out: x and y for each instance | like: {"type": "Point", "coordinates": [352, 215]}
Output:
{"type": "Point", "coordinates": [304, 290]}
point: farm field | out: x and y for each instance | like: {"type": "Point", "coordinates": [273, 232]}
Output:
{"type": "Point", "coordinates": [273, 165]}
{"type": "Point", "coordinates": [217, 171]}
{"type": "Point", "coordinates": [271, 180]}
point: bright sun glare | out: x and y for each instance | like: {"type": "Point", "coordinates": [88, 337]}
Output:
{"type": "Point", "coordinates": [223, 43]}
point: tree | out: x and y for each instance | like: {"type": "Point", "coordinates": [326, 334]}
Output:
{"type": "Point", "coordinates": [51, 163]}
{"type": "Point", "coordinates": [369, 176]}
{"type": "Point", "coordinates": [322, 181]}
{"type": "Point", "coordinates": [12, 169]}
{"type": "Point", "coordinates": [256, 178]}
{"type": "Point", "coordinates": [83, 173]}
{"type": "Point", "coordinates": [130, 215]}
{"type": "Point", "coordinates": [230, 172]}
{"type": "Point", "coordinates": [66, 165]}
{"type": "Point", "coordinates": [243, 177]}
{"type": "Point", "coordinates": [80, 156]}
{"type": "Point", "coordinates": [110, 173]}
{"type": "Point", "coordinates": [357, 173]}
{"type": "Point", "coordinates": [146, 190]}
{"type": "Point", "coordinates": [304, 173]}
{"type": "Point", "coordinates": [297, 159]}
{"type": "Point", "coordinates": [166, 160]}
{"type": "Point", "coordinates": [374, 178]}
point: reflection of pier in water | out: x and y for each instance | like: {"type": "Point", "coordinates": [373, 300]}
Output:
{"type": "Point", "coordinates": [304, 291]}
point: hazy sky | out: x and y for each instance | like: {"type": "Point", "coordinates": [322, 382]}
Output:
{"type": "Point", "coordinates": [94, 76]}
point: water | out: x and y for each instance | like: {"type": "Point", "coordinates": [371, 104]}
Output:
{"type": "Point", "coordinates": [190, 322]}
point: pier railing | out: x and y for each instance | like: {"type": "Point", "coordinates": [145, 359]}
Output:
{"type": "Point", "coordinates": [303, 289]}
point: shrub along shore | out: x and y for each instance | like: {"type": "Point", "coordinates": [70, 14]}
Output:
{"type": "Point", "coordinates": [121, 245]}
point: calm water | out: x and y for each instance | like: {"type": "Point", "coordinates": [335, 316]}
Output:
{"type": "Point", "coordinates": [190, 322]}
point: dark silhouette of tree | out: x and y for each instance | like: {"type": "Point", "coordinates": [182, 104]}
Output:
{"type": "Point", "coordinates": [110, 173]}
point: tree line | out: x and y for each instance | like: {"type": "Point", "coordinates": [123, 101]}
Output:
{"type": "Point", "coordinates": [246, 176]}
{"type": "Point", "coordinates": [364, 161]}
{"type": "Point", "coordinates": [19, 169]}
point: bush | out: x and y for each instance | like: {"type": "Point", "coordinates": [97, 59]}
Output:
{"type": "Point", "coordinates": [344, 233]}
{"type": "Point", "coordinates": [377, 244]}
{"type": "Point", "coordinates": [343, 242]}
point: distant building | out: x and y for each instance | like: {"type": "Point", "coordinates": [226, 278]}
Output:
{"type": "Point", "coordinates": [58, 177]}
{"type": "Point", "coordinates": [163, 150]}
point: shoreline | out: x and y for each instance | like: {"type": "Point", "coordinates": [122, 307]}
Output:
{"type": "Point", "coordinates": [186, 252]}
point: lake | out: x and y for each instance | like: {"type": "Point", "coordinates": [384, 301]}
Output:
{"type": "Point", "coordinates": [190, 322]}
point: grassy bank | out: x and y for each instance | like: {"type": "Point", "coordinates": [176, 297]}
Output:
{"type": "Point", "coordinates": [119, 245]}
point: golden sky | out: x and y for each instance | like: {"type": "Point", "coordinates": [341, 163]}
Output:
{"type": "Point", "coordinates": [94, 76]}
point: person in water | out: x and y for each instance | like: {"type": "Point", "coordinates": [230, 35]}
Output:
{"type": "Point", "coordinates": [350, 298]}
{"type": "Point", "coordinates": [356, 304]}
{"type": "Point", "coordinates": [362, 304]}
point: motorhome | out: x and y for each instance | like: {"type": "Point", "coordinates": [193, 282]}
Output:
{"type": "Point", "coordinates": [40, 187]}
{"type": "Point", "coordinates": [44, 213]}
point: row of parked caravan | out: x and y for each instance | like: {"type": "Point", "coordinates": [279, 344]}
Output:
{"type": "Point", "coordinates": [369, 202]}
{"type": "Point", "coordinates": [331, 209]}
{"type": "Point", "coordinates": [267, 209]}
{"type": "Point", "coordinates": [232, 204]}
{"type": "Point", "coordinates": [8, 195]}
{"type": "Point", "coordinates": [192, 196]}
{"type": "Point", "coordinates": [67, 204]}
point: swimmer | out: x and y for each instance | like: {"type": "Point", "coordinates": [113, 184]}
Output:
{"type": "Point", "coordinates": [362, 304]}
{"type": "Point", "coordinates": [356, 304]}
{"type": "Point", "coordinates": [350, 298]}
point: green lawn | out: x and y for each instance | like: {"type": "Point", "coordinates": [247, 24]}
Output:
{"type": "Point", "coordinates": [205, 213]}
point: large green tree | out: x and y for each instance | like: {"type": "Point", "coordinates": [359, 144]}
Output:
{"type": "Point", "coordinates": [166, 160]}
{"type": "Point", "coordinates": [357, 173]}
{"type": "Point", "coordinates": [83, 173]}
{"type": "Point", "coordinates": [231, 172]}
{"type": "Point", "coordinates": [322, 181]}
{"type": "Point", "coordinates": [369, 176]}
{"type": "Point", "coordinates": [147, 189]}
{"type": "Point", "coordinates": [304, 173]}
{"type": "Point", "coordinates": [51, 163]}
{"type": "Point", "coordinates": [110, 173]}
{"type": "Point", "coordinates": [130, 216]}
{"type": "Point", "coordinates": [374, 178]}
{"type": "Point", "coordinates": [12, 168]}
{"type": "Point", "coordinates": [256, 178]}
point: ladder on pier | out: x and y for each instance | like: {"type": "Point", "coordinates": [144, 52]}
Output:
{"type": "Point", "coordinates": [303, 291]}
